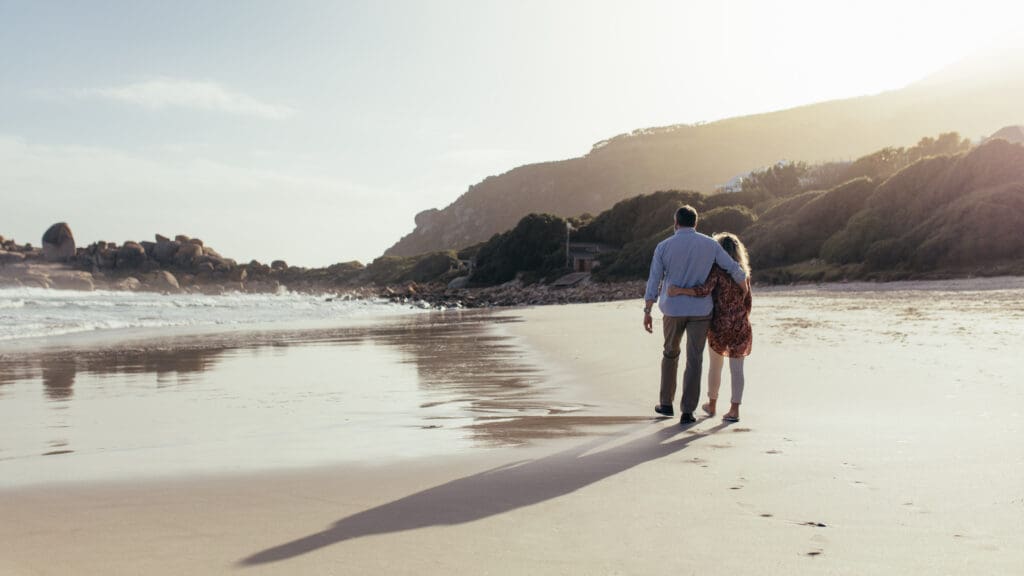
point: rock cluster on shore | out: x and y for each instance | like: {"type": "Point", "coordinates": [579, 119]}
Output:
{"type": "Point", "coordinates": [186, 264]}
{"type": "Point", "coordinates": [512, 294]}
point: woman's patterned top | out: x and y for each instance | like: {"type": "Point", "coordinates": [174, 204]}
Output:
{"type": "Point", "coordinates": [730, 333]}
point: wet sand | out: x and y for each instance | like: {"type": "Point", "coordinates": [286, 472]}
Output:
{"type": "Point", "coordinates": [880, 434]}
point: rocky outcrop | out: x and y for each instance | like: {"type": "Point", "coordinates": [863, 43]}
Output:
{"type": "Point", "coordinates": [510, 294]}
{"type": "Point", "coordinates": [188, 265]}
{"type": "Point", "coordinates": [58, 243]}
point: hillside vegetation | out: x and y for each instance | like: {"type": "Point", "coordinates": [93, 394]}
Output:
{"type": "Point", "coordinates": [898, 213]}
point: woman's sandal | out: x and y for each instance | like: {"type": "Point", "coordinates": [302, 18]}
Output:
{"type": "Point", "coordinates": [707, 409]}
{"type": "Point", "coordinates": [728, 418]}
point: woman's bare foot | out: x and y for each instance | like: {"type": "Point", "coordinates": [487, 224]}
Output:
{"type": "Point", "coordinates": [733, 415]}
{"type": "Point", "coordinates": [709, 408]}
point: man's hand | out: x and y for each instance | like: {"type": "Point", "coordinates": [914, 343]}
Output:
{"type": "Point", "coordinates": [648, 322]}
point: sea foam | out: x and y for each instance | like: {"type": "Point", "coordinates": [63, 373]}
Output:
{"type": "Point", "coordinates": [39, 312]}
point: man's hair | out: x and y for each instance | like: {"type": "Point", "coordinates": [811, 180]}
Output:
{"type": "Point", "coordinates": [686, 216]}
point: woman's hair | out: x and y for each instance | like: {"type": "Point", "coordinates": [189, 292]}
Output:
{"type": "Point", "coordinates": [734, 248]}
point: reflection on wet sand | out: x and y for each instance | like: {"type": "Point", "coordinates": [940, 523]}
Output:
{"type": "Point", "coordinates": [57, 370]}
{"type": "Point", "coordinates": [469, 377]}
{"type": "Point", "coordinates": [59, 378]}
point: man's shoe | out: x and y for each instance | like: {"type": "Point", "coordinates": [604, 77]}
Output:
{"type": "Point", "coordinates": [664, 409]}
{"type": "Point", "coordinates": [687, 418]}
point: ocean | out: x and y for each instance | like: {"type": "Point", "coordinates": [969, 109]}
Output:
{"type": "Point", "coordinates": [33, 313]}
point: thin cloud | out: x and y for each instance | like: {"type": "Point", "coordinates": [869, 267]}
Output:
{"type": "Point", "coordinates": [165, 93]}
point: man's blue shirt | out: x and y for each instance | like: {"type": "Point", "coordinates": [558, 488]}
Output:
{"type": "Point", "coordinates": [685, 259]}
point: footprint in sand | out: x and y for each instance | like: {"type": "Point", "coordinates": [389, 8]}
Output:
{"type": "Point", "coordinates": [741, 429]}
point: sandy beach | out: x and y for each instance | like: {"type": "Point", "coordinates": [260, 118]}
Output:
{"type": "Point", "coordinates": [881, 434]}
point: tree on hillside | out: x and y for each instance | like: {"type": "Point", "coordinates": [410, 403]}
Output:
{"type": "Point", "coordinates": [781, 179]}
{"type": "Point", "coordinates": [733, 219]}
{"type": "Point", "coordinates": [535, 246]}
{"type": "Point", "coordinates": [887, 161]}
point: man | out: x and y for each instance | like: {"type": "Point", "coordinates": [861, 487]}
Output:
{"type": "Point", "coordinates": [684, 259]}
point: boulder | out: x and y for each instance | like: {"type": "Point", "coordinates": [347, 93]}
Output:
{"type": "Point", "coordinates": [164, 251]}
{"type": "Point", "coordinates": [459, 283]}
{"type": "Point", "coordinates": [58, 243]}
{"type": "Point", "coordinates": [187, 254]}
{"type": "Point", "coordinates": [196, 241]}
{"type": "Point", "coordinates": [278, 265]}
{"type": "Point", "coordinates": [70, 280]}
{"type": "Point", "coordinates": [130, 255]}
{"type": "Point", "coordinates": [35, 281]}
{"type": "Point", "coordinates": [148, 247]}
{"type": "Point", "coordinates": [161, 238]}
{"type": "Point", "coordinates": [130, 283]}
{"type": "Point", "coordinates": [164, 281]}
{"type": "Point", "coordinates": [181, 239]}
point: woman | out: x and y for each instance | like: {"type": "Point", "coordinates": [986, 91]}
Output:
{"type": "Point", "coordinates": [729, 334]}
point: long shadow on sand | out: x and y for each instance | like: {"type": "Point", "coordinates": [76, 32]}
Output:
{"type": "Point", "coordinates": [494, 491]}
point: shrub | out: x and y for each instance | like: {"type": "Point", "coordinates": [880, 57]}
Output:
{"type": "Point", "coordinates": [536, 245]}
{"type": "Point", "coordinates": [638, 218]}
{"type": "Point", "coordinates": [733, 219]}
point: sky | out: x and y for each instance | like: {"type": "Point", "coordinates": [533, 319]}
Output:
{"type": "Point", "coordinates": [315, 131]}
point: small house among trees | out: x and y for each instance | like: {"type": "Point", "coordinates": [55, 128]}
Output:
{"type": "Point", "coordinates": [583, 255]}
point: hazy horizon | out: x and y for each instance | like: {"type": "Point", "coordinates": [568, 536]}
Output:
{"type": "Point", "coordinates": [314, 132]}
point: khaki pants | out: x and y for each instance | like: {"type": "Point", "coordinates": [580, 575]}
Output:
{"type": "Point", "coordinates": [696, 330]}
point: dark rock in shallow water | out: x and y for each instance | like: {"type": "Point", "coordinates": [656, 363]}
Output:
{"type": "Point", "coordinates": [58, 243]}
